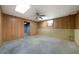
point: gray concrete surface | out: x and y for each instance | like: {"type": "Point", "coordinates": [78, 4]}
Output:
{"type": "Point", "coordinates": [39, 45]}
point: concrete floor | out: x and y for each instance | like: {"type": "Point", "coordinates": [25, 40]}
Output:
{"type": "Point", "coordinates": [39, 45]}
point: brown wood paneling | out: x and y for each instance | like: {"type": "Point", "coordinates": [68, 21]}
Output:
{"type": "Point", "coordinates": [0, 27]}
{"type": "Point", "coordinates": [77, 21]}
{"type": "Point", "coordinates": [66, 22]}
{"type": "Point", "coordinates": [12, 27]}
{"type": "Point", "coordinates": [33, 28]}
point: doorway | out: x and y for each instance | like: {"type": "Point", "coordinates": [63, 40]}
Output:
{"type": "Point", "coordinates": [26, 28]}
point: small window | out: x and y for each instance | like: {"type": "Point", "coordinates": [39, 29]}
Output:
{"type": "Point", "coordinates": [50, 22]}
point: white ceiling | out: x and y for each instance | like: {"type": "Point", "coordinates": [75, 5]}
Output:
{"type": "Point", "coordinates": [51, 11]}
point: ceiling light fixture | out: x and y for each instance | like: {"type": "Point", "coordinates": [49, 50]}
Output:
{"type": "Point", "coordinates": [22, 8]}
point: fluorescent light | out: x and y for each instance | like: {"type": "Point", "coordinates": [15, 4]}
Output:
{"type": "Point", "coordinates": [22, 8]}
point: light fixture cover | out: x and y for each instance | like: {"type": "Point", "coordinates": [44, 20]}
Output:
{"type": "Point", "coordinates": [22, 8]}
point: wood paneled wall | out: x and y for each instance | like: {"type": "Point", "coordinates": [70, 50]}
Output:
{"type": "Point", "coordinates": [62, 28]}
{"type": "Point", "coordinates": [77, 21]}
{"type": "Point", "coordinates": [67, 22]}
{"type": "Point", "coordinates": [76, 31]}
{"type": "Point", "coordinates": [0, 27]}
{"type": "Point", "coordinates": [13, 27]}
{"type": "Point", "coordinates": [33, 28]}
